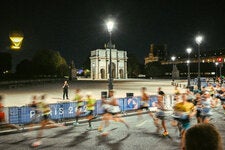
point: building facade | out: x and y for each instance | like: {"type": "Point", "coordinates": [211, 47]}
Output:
{"type": "Point", "coordinates": [99, 61]}
{"type": "Point", "coordinates": [157, 53]}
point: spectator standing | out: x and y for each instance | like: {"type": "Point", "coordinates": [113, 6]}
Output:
{"type": "Point", "coordinates": [65, 90]}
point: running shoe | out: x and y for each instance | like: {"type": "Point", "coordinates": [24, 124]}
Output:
{"type": "Point", "coordinates": [100, 129]}
{"type": "Point", "coordinates": [104, 133]}
{"type": "Point", "coordinates": [90, 128]}
{"type": "Point", "coordinates": [75, 123]}
{"type": "Point", "coordinates": [37, 143]}
{"type": "Point", "coordinates": [165, 133]}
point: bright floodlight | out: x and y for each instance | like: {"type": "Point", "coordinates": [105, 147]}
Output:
{"type": "Point", "coordinates": [16, 38]}
{"type": "Point", "coordinates": [189, 50]}
{"type": "Point", "coordinates": [110, 25]}
{"type": "Point", "coordinates": [199, 39]}
{"type": "Point", "coordinates": [173, 58]}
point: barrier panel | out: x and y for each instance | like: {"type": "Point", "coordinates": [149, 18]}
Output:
{"type": "Point", "coordinates": [26, 114]}
{"type": "Point", "coordinates": [13, 115]}
{"type": "Point", "coordinates": [130, 103]}
{"type": "Point", "coordinates": [99, 109]}
{"type": "Point", "coordinates": [63, 110]}
{"type": "Point", "coordinates": [152, 101]}
{"type": "Point", "coordinates": [23, 115]}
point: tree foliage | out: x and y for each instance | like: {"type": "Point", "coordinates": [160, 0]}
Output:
{"type": "Point", "coordinates": [44, 62]}
{"type": "Point", "coordinates": [25, 68]}
{"type": "Point", "coordinates": [5, 62]}
{"type": "Point", "coordinates": [155, 69]}
{"type": "Point", "coordinates": [133, 66]}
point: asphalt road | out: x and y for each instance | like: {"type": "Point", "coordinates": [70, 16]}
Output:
{"type": "Point", "coordinates": [120, 138]}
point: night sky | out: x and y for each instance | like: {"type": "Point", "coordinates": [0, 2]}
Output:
{"type": "Point", "coordinates": [75, 27]}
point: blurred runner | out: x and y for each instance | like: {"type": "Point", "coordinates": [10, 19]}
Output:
{"type": "Point", "coordinates": [112, 112]}
{"type": "Point", "coordinates": [36, 113]}
{"type": "Point", "coordinates": [144, 105]}
{"type": "Point", "coordinates": [90, 110]}
{"type": "Point", "coordinates": [2, 117]}
{"type": "Point", "coordinates": [80, 104]}
{"type": "Point", "coordinates": [183, 111]}
{"type": "Point", "coordinates": [160, 114]}
{"type": "Point", "coordinates": [45, 110]}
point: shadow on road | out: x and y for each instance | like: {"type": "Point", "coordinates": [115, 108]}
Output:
{"type": "Point", "coordinates": [105, 140]}
{"type": "Point", "coordinates": [60, 133]}
{"type": "Point", "coordinates": [79, 139]}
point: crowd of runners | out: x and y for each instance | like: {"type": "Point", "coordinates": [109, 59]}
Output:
{"type": "Point", "coordinates": [187, 105]}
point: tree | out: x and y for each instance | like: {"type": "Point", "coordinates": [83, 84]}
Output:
{"type": "Point", "coordinates": [25, 68]}
{"type": "Point", "coordinates": [155, 69]}
{"type": "Point", "coordinates": [5, 62]}
{"type": "Point", "coordinates": [49, 62]}
{"type": "Point", "coordinates": [133, 66]}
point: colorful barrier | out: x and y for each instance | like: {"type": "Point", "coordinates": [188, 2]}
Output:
{"type": "Point", "coordinates": [23, 115]}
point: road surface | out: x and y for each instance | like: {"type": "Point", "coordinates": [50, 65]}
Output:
{"type": "Point", "coordinates": [141, 137]}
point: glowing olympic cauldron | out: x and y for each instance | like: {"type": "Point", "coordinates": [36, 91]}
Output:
{"type": "Point", "coordinates": [16, 38]}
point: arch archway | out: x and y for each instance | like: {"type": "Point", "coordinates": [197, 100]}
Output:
{"type": "Point", "coordinates": [113, 70]}
{"type": "Point", "coordinates": [102, 71]}
{"type": "Point", "coordinates": [121, 73]}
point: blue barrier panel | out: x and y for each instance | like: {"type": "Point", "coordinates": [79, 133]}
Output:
{"type": "Point", "coordinates": [62, 110]}
{"type": "Point", "coordinates": [153, 100]}
{"type": "Point", "coordinates": [56, 111]}
{"type": "Point", "coordinates": [84, 110]}
{"type": "Point", "coordinates": [121, 103]}
{"type": "Point", "coordinates": [131, 103]}
{"type": "Point", "coordinates": [25, 113]}
{"type": "Point", "coordinates": [13, 115]}
{"type": "Point", "coordinates": [98, 108]}
{"type": "Point", "coordinates": [69, 110]}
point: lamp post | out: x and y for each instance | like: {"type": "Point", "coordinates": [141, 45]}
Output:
{"type": "Point", "coordinates": [216, 64]}
{"type": "Point", "coordinates": [198, 40]}
{"type": "Point", "coordinates": [110, 25]}
{"type": "Point", "coordinates": [188, 64]}
{"type": "Point", "coordinates": [173, 58]}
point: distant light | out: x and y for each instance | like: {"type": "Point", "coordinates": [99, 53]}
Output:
{"type": "Point", "coordinates": [199, 39]}
{"type": "Point", "coordinates": [216, 63]}
{"type": "Point", "coordinates": [110, 25]}
{"type": "Point", "coordinates": [189, 50]}
{"type": "Point", "coordinates": [188, 61]}
{"type": "Point", "coordinates": [173, 58]}
{"type": "Point", "coordinates": [80, 71]}
{"type": "Point", "coordinates": [220, 59]}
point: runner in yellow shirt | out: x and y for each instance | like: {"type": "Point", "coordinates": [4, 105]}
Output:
{"type": "Point", "coordinates": [90, 109]}
{"type": "Point", "coordinates": [183, 112]}
{"type": "Point", "coordinates": [80, 104]}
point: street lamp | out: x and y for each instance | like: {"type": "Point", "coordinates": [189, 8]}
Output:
{"type": "Point", "coordinates": [110, 25]}
{"type": "Point", "coordinates": [173, 58]}
{"type": "Point", "coordinates": [198, 40]}
{"type": "Point", "coordinates": [188, 63]}
{"type": "Point", "coordinates": [216, 64]}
